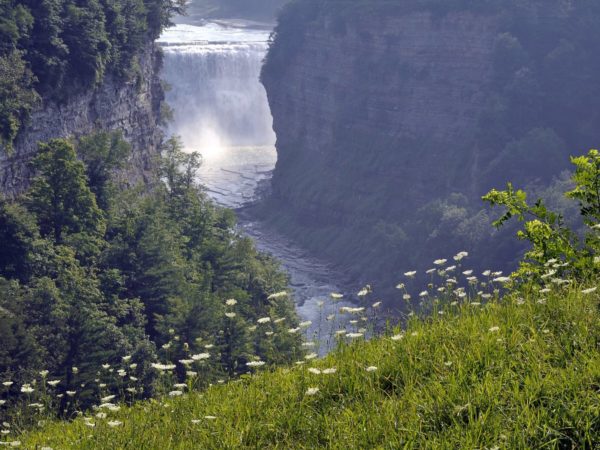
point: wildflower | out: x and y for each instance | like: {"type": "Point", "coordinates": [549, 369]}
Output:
{"type": "Point", "coordinates": [460, 255]}
{"type": "Point", "coordinates": [89, 424]}
{"type": "Point", "coordinates": [312, 391]}
{"type": "Point", "coordinates": [269, 333]}
{"type": "Point", "coordinates": [277, 295]}
{"type": "Point", "coordinates": [264, 320]}
{"type": "Point", "coordinates": [115, 423]}
{"type": "Point", "coordinates": [450, 268]}
{"type": "Point", "coordinates": [114, 408]}
{"type": "Point", "coordinates": [340, 332]}
{"type": "Point", "coordinates": [121, 373]}
{"type": "Point", "coordinates": [231, 302]}
{"type": "Point", "coordinates": [430, 271]}
{"type": "Point", "coordinates": [330, 317]}
{"type": "Point", "coordinates": [175, 393]}
{"type": "Point", "coordinates": [354, 335]}
{"type": "Point", "coordinates": [468, 272]}
{"type": "Point", "coordinates": [329, 371]}
{"type": "Point", "coordinates": [494, 329]}
{"type": "Point", "coordinates": [44, 373]}
{"type": "Point", "coordinates": [133, 366]}
{"type": "Point", "coordinates": [314, 370]}
{"type": "Point", "coordinates": [293, 330]}
{"type": "Point", "coordinates": [487, 273]}
{"type": "Point", "coordinates": [371, 369]}
{"type": "Point", "coordinates": [71, 393]}
{"type": "Point", "coordinates": [209, 346]}
{"type": "Point", "coordinates": [230, 315]}
{"type": "Point", "coordinates": [448, 363]}
{"type": "Point", "coordinates": [131, 390]}
{"type": "Point", "coordinates": [520, 301]}
{"type": "Point", "coordinates": [410, 274]}
{"type": "Point", "coordinates": [279, 320]}
{"type": "Point", "coordinates": [545, 290]}
{"type": "Point", "coordinates": [8, 383]}
{"type": "Point", "coordinates": [589, 291]}
{"type": "Point", "coordinates": [191, 373]}
{"type": "Point", "coordinates": [440, 262]}
{"type": "Point", "coordinates": [406, 297]}
{"type": "Point", "coordinates": [255, 363]}
{"type": "Point", "coordinates": [186, 362]}
{"type": "Point", "coordinates": [252, 328]}
{"type": "Point", "coordinates": [423, 294]}
{"type": "Point", "coordinates": [100, 415]}
{"type": "Point", "coordinates": [308, 344]}
{"type": "Point", "coordinates": [200, 356]}
{"type": "Point", "coordinates": [501, 279]}
{"type": "Point", "coordinates": [27, 389]}
{"type": "Point", "coordinates": [305, 324]}
{"type": "Point", "coordinates": [376, 305]}
{"type": "Point", "coordinates": [126, 358]}
{"type": "Point", "coordinates": [336, 296]}
{"type": "Point", "coordinates": [2, 402]}
{"type": "Point", "coordinates": [195, 421]}
{"type": "Point", "coordinates": [108, 398]}
{"type": "Point", "coordinates": [210, 417]}
{"type": "Point", "coordinates": [397, 337]}
{"type": "Point", "coordinates": [363, 292]}
{"type": "Point", "coordinates": [311, 356]}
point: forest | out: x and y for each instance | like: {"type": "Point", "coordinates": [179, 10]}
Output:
{"type": "Point", "coordinates": [92, 275]}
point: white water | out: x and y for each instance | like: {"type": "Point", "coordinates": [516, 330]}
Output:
{"type": "Point", "coordinates": [221, 110]}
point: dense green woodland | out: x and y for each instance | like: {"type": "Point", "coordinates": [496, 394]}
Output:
{"type": "Point", "coordinates": [90, 274]}
{"type": "Point", "coordinates": [51, 48]}
{"type": "Point", "coordinates": [396, 204]}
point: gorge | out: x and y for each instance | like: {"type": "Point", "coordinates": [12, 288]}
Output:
{"type": "Point", "coordinates": [220, 110]}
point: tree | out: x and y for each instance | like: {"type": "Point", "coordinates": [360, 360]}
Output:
{"type": "Point", "coordinates": [60, 197]}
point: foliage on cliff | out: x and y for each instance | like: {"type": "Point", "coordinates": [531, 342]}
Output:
{"type": "Point", "coordinates": [92, 276]}
{"type": "Point", "coordinates": [51, 47]}
{"type": "Point", "coordinates": [375, 198]}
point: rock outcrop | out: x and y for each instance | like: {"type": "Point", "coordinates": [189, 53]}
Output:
{"type": "Point", "coordinates": [133, 106]}
{"type": "Point", "coordinates": [392, 119]}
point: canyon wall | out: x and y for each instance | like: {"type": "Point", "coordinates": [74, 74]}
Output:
{"type": "Point", "coordinates": [393, 119]}
{"type": "Point", "coordinates": [132, 106]}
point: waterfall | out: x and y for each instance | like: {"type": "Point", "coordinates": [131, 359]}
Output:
{"type": "Point", "coordinates": [215, 93]}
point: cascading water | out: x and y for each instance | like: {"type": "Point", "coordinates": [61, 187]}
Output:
{"type": "Point", "coordinates": [220, 109]}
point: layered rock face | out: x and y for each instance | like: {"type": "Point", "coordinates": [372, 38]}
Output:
{"type": "Point", "coordinates": [130, 106]}
{"type": "Point", "coordinates": [393, 119]}
{"type": "Point", "coordinates": [364, 113]}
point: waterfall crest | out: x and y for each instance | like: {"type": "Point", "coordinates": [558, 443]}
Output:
{"type": "Point", "coordinates": [217, 99]}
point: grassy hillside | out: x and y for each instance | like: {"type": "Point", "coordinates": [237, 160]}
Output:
{"type": "Point", "coordinates": [518, 372]}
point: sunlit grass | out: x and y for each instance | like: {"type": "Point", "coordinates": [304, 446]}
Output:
{"type": "Point", "coordinates": [519, 372]}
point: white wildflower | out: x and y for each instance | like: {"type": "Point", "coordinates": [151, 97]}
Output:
{"type": "Point", "coordinates": [589, 291]}
{"type": "Point", "coordinates": [312, 391]}
{"type": "Point", "coordinates": [264, 320]}
{"type": "Point", "coordinates": [440, 262]}
{"type": "Point", "coordinates": [255, 363]}
{"type": "Point", "coordinates": [200, 356]}
{"type": "Point", "coordinates": [231, 302]}
{"type": "Point", "coordinates": [371, 369]}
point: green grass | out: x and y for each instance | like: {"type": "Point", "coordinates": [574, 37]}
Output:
{"type": "Point", "coordinates": [453, 381]}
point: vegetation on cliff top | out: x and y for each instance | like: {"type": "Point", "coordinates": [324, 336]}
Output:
{"type": "Point", "coordinates": [49, 48]}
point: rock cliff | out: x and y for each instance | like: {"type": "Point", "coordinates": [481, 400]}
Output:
{"type": "Point", "coordinates": [392, 119]}
{"type": "Point", "coordinates": [132, 106]}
